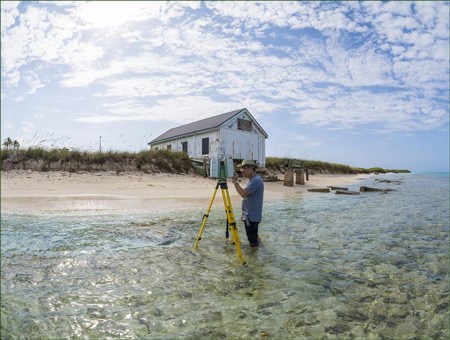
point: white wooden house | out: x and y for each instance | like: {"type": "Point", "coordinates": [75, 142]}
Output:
{"type": "Point", "coordinates": [236, 134]}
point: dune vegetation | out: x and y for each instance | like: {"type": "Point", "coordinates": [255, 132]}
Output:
{"type": "Point", "coordinates": [65, 159]}
{"type": "Point", "coordinates": [274, 163]}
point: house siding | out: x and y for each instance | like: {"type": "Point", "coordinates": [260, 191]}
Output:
{"type": "Point", "coordinates": [194, 144]}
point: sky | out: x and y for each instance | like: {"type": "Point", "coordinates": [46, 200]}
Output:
{"type": "Point", "coordinates": [359, 83]}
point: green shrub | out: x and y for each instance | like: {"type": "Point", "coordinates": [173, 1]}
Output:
{"type": "Point", "coordinates": [167, 160]}
{"type": "Point", "coordinates": [275, 163]}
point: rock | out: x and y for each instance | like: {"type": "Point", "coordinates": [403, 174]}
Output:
{"type": "Point", "coordinates": [168, 241]}
{"type": "Point", "coordinates": [264, 334]}
{"type": "Point", "coordinates": [442, 307]}
{"type": "Point", "coordinates": [319, 190]}
{"type": "Point", "coordinates": [368, 189]}
{"type": "Point", "coordinates": [388, 181]}
{"type": "Point", "coordinates": [337, 329]}
{"type": "Point", "coordinates": [337, 188]}
{"type": "Point", "coordinates": [270, 178]}
{"type": "Point", "coordinates": [347, 192]}
{"type": "Point", "coordinates": [396, 298]}
{"type": "Point", "coordinates": [399, 311]}
{"type": "Point", "coordinates": [308, 320]}
{"type": "Point", "coordinates": [157, 311]}
{"type": "Point", "coordinates": [185, 295]}
{"type": "Point", "coordinates": [352, 315]}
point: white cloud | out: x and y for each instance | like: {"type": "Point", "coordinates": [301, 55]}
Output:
{"type": "Point", "coordinates": [142, 60]}
{"type": "Point", "coordinates": [305, 142]}
{"type": "Point", "coordinates": [31, 80]}
{"type": "Point", "coordinates": [393, 111]}
{"type": "Point", "coordinates": [93, 15]}
{"type": "Point", "coordinates": [179, 110]}
{"type": "Point", "coordinates": [86, 76]}
{"type": "Point", "coordinates": [27, 128]}
{"type": "Point", "coordinates": [9, 13]}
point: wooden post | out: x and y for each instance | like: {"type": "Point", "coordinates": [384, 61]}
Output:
{"type": "Point", "coordinates": [300, 178]}
{"type": "Point", "coordinates": [307, 174]}
{"type": "Point", "coordinates": [289, 178]}
{"type": "Point", "coordinates": [205, 168]}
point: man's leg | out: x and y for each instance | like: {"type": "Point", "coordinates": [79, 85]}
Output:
{"type": "Point", "coordinates": [251, 228]}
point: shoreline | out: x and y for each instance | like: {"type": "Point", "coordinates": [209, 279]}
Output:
{"type": "Point", "coordinates": [25, 191]}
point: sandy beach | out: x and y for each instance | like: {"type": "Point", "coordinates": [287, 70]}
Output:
{"type": "Point", "coordinates": [33, 191]}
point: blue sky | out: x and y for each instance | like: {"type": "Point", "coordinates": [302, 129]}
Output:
{"type": "Point", "coordinates": [358, 83]}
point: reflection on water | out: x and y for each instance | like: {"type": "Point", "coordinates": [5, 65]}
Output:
{"type": "Point", "coordinates": [367, 266]}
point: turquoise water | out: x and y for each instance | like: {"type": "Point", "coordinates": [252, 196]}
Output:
{"type": "Point", "coordinates": [332, 266]}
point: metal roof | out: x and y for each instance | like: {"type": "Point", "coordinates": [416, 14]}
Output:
{"type": "Point", "coordinates": [200, 125]}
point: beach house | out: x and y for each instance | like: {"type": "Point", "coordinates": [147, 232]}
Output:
{"type": "Point", "coordinates": [234, 134]}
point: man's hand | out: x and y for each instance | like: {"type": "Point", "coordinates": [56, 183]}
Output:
{"type": "Point", "coordinates": [235, 177]}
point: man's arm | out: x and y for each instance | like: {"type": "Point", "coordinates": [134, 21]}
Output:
{"type": "Point", "coordinates": [241, 191]}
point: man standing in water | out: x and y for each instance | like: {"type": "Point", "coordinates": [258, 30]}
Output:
{"type": "Point", "coordinates": [252, 201]}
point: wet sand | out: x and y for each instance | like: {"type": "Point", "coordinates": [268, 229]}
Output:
{"type": "Point", "coordinates": [34, 191]}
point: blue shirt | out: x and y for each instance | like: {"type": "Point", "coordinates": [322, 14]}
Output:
{"type": "Point", "coordinates": [252, 204]}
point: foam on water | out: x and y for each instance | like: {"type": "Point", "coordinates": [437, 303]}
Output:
{"type": "Point", "coordinates": [367, 266]}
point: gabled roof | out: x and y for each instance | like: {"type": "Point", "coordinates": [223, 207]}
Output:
{"type": "Point", "coordinates": [200, 125]}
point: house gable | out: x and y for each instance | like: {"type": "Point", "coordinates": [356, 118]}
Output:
{"type": "Point", "coordinates": [243, 121]}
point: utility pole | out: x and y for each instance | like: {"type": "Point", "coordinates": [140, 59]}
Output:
{"type": "Point", "coordinates": [100, 145]}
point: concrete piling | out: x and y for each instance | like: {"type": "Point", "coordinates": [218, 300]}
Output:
{"type": "Point", "coordinates": [300, 177]}
{"type": "Point", "coordinates": [289, 178]}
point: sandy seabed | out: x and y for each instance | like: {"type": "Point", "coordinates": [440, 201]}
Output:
{"type": "Point", "coordinates": [34, 191]}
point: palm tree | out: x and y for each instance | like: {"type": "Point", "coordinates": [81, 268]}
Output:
{"type": "Point", "coordinates": [7, 143]}
{"type": "Point", "coordinates": [16, 146]}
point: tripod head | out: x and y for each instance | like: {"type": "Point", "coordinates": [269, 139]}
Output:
{"type": "Point", "coordinates": [221, 168]}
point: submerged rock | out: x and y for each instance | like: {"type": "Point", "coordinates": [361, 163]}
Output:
{"type": "Point", "coordinates": [325, 190]}
{"type": "Point", "coordinates": [185, 295]}
{"type": "Point", "coordinates": [352, 315]}
{"type": "Point", "coordinates": [442, 307]}
{"type": "Point", "coordinates": [337, 329]}
{"type": "Point", "coordinates": [366, 189]}
{"type": "Point", "coordinates": [308, 319]}
{"type": "Point", "coordinates": [369, 189]}
{"type": "Point", "coordinates": [380, 180]}
{"type": "Point", "coordinates": [167, 242]}
{"type": "Point", "coordinates": [337, 188]}
{"type": "Point", "coordinates": [347, 192]}
{"type": "Point", "coordinates": [157, 311]}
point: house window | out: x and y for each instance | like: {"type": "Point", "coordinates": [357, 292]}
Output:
{"type": "Point", "coordinates": [244, 125]}
{"type": "Point", "coordinates": [169, 147]}
{"type": "Point", "coordinates": [205, 146]}
{"type": "Point", "coordinates": [184, 147]}
{"type": "Point", "coordinates": [156, 149]}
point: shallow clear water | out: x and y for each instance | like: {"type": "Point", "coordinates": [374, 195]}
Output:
{"type": "Point", "coordinates": [332, 266]}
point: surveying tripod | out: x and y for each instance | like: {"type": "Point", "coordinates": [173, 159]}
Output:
{"type": "Point", "coordinates": [231, 223]}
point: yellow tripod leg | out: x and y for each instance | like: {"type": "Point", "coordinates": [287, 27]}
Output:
{"type": "Point", "coordinates": [205, 217]}
{"type": "Point", "coordinates": [231, 221]}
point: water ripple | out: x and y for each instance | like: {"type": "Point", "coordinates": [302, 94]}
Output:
{"type": "Point", "coordinates": [367, 266]}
